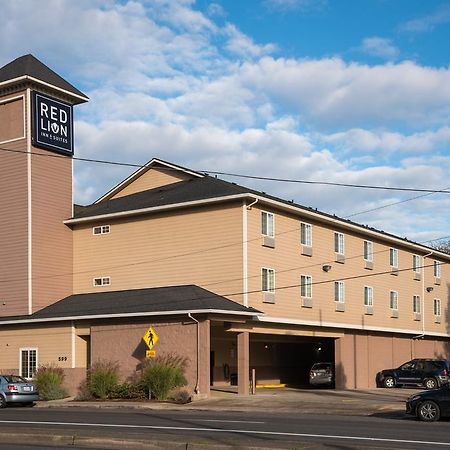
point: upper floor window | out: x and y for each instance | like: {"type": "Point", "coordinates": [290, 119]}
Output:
{"type": "Point", "coordinates": [437, 269]}
{"type": "Point", "coordinates": [368, 296]}
{"type": "Point", "coordinates": [437, 307]}
{"type": "Point", "coordinates": [393, 257]}
{"type": "Point", "coordinates": [339, 243]}
{"type": "Point", "coordinates": [102, 229]}
{"type": "Point", "coordinates": [267, 224]}
{"type": "Point", "coordinates": [267, 280]}
{"type": "Point", "coordinates": [339, 295]}
{"type": "Point", "coordinates": [368, 250]}
{"type": "Point", "coordinates": [306, 234]}
{"type": "Point", "coordinates": [306, 286]}
{"type": "Point", "coordinates": [102, 281]}
{"type": "Point", "coordinates": [393, 300]}
{"type": "Point", "coordinates": [416, 263]}
{"type": "Point", "coordinates": [416, 304]}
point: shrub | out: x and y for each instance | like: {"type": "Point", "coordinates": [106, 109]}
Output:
{"type": "Point", "coordinates": [49, 380]}
{"type": "Point", "coordinates": [182, 396]}
{"type": "Point", "coordinates": [129, 391]}
{"type": "Point", "coordinates": [103, 378]}
{"type": "Point", "coordinates": [162, 374]}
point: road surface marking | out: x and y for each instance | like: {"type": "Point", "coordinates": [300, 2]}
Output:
{"type": "Point", "coordinates": [223, 430]}
{"type": "Point", "coordinates": [227, 421]}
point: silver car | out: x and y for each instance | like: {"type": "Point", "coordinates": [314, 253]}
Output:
{"type": "Point", "coordinates": [15, 389]}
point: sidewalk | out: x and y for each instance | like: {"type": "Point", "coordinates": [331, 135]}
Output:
{"type": "Point", "coordinates": [300, 401]}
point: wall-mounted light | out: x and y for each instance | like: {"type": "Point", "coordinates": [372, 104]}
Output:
{"type": "Point", "coordinates": [430, 289]}
{"type": "Point", "coordinates": [326, 267]}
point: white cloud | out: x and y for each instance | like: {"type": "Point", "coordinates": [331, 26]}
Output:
{"type": "Point", "coordinates": [241, 45]}
{"type": "Point", "coordinates": [379, 47]}
{"type": "Point", "coordinates": [295, 5]}
{"type": "Point", "coordinates": [427, 23]}
{"type": "Point", "coordinates": [216, 10]}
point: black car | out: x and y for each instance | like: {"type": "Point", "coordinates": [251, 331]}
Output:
{"type": "Point", "coordinates": [431, 373]}
{"type": "Point", "coordinates": [430, 405]}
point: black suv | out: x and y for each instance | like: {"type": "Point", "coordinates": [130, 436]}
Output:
{"type": "Point", "coordinates": [431, 373]}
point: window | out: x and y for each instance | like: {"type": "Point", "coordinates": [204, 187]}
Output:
{"type": "Point", "coordinates": [416, 304]}
{"type": "Point", "coordinates": [393, 257]}
{"type": "Point", "coordinates": [306, 286]}
{"type": "Point", "coordinates": [102, 229]}
{"type": "Point", "coordinates": [339, 243]}
{"type": "Point", "coordinates": [368, 296]}
{"type": "Point", "coordinates": [102, 281]}
{"type": "Point", "coordinates": [393, 300]}
{"type": "Point", "coordinates": [416, 263]}
{"type": "Point", "coordinates": [268, 280]}
{"type": "Point", "coordinates": [339, 291]}
{"type": "Point", "coordinates": [437, 307]}
{"type": "Point", "coordinates": [437, 269]}
{"type": "Point", "coordinates": [267, 222]}
{"type": "Point", "coordinates": [368, 250]}
{"type": "Point", "coordinates": [306, 234]}
{"type": "Point", "coordinates": [28, 362]}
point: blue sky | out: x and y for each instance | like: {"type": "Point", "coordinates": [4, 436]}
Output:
{"type": "Point", "coordinates": [344, 91]}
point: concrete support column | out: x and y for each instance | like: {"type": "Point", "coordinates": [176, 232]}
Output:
{"type": "Point", "coordinates": [204, 357]}
{"type": "Point", "coordinates": [243, 349]}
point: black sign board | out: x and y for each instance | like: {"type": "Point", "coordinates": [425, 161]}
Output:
{"type": "Point", "coordinates": [52, 124]}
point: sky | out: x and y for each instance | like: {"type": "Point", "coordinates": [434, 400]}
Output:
{"type": "Point", "coordinates": [346, 91]}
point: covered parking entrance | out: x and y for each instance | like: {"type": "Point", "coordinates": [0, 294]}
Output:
{"type": "Point", "coordinates": [279, 355]}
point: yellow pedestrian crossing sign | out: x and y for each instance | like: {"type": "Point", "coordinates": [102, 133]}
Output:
{"type": "Point", "coordinates": [150, 338]}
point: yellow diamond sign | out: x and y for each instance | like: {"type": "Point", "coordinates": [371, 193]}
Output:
{"type": "Point", "coordinates": [150, 338]}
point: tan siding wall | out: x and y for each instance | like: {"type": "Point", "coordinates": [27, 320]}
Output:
{"type": "Point", "coordinates": [81, 351]}
{"type": "Point", "coordinates": [12, 123]}
{"type": "Point", "coordinates": [289, 264]}
{"type": "Point", "coordinates": [202, 247]}
{"type": "Point", "coordinates": [51, 343]}
{"type": "Point", "coordinates": [151, 179]}
{"type": "Point", "coordinates": [52, 240]}
{"type": "Point", "coordinates": [13, 224]}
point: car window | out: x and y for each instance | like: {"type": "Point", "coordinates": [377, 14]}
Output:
{"type": "Point", "coordinates": [321, 366]}
{"type": "Point", "coordinates": [407, 366]}
{"type": "Point", "coordinates": [14, 379]}
{"type": "Point", "coordinates": [422, 365]}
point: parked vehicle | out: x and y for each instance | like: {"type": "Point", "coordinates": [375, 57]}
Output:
{"type": "Point", "coordinates": [15, 389]}
{"type": "Point", "coordinates": [430, 405]}
{"type": "Point", "coordinates": [321, 374]}
{"type": "Point", "coordinates": [431, 373]}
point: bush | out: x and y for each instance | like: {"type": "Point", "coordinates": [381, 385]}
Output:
{"type": "Point", "coordinates": [49, 380]}
{"type": "Point", "coordinates": [103, 379]}
{"type": "Point", "coordinates": [182, 396]}
{"type": "Point", "coordinates": [129, 391]}
{"type": "Point", "coordinates": [162, 374]}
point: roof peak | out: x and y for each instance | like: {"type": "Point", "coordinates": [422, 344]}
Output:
{"type": "Point", "coordinates": [28, 66]}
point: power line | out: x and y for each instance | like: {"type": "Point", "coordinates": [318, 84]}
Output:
{"type": "Point", "coordinates": [251, 177]}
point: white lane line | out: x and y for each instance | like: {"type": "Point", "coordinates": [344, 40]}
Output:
{"type": "Point", "coordinates": [222, 430]}
{"type": "Point", "coordinates": [227, 421]}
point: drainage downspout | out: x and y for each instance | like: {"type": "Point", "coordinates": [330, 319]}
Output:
{"type": "Point", "coordinates": [249, 207]}
{"type": "Point", "coordinates": [197, 382]}
{"type": "Point", "coordinates": [420, 336]}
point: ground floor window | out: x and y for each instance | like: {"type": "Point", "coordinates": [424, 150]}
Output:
{"type": "Point", "coordinates": [28, 362]}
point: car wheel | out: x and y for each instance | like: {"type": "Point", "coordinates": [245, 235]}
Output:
{"type": "Point", "coordinates": [2, 402]}
{"type": "Point", "coordinates": [428, 411]}
{"type": "Point", "coordinates": [430, 383]}
{"type": "Point", "coordinates": [389, 382]}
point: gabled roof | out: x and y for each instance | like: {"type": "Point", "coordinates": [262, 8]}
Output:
{"type": "Point", "coordinates": [153, 163]}
{"type": "Point", "coordinates": [172, 300]}
{"type": "Point", "coordinates": [29, 67]}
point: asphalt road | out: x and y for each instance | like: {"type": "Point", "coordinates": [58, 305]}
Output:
{"type": "Point", "coordinates": [99, 428]}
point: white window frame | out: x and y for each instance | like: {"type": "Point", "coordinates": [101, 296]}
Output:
{"type": "Point", "coordinates": [339, 292]}
{"type": "Point", "coordinates": [267, 222]}
{"type": "Point", "coordinates": [368, 251]}
{"type": "Point", "coordinates": [437, 269]}
{"type": "Point", "coordinates": [101, 229]}
{"type": "Point", "coordinates": [306, 234]}
{"type": "Point", "coordinates": [393, 300]}
{"type": "Point", "coordinates": [437, 307]}
{"type": "Point", "coordinates": [104, 281]}
{"type": "Point", "coordinates": [339, 243]}
{"type": "Point", "coordinates": [306, 286]}
{"type": "Point", "coordinates": [416, 263]}
{"type": "Point", "coordinates": [28, 349]}
{"type": "Point", "coordinates": [269, 272]}
{"type": "Point", "coordinates": [368, 296]}
{"type": "Point", "coordinates": [393, 257]}
{"type": "Point", "coordinates": [417, 308]}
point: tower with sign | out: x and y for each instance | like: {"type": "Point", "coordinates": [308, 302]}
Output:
{"type": "Point", "coordinates": [36, 149]}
